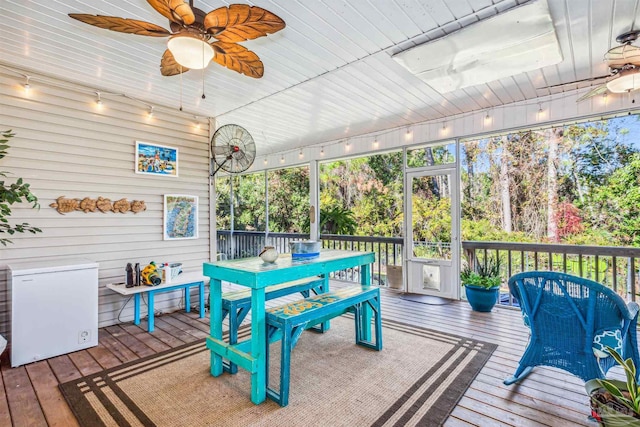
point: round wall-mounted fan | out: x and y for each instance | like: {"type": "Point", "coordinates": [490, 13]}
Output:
{"type": "Point", "coordinates": [232, 149]}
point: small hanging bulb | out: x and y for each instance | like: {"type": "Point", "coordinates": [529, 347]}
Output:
{"type": "Point", "coordinates": [282, 159]}
{"type": "Point", "coordinates": [375, 143]}
{"type": "Point", "coordinates": [407, 135]}
{"type": "Point", "coordinates": [27, 86]}
{"type": "Point", "coordinates": [540, 113]}
{"type": "Point", "coordinates": [322, 151]}
{"type": "Point", "coordinates": [98, 100]}
{"type": "Point", "coordinates": [150, 112]}
{"type": "Point", "coordinates": [197, 123]}
{"type": "Point", "coordinates": [347, 145]}
{"type": "Point", "coordinates": [487, 118]}
{"type": "Point", "coordinates": [301, 155]}
{"type": "Point", "coordinates": [444, 126]}
{"type": "Point", "coordinates": [265, 161]}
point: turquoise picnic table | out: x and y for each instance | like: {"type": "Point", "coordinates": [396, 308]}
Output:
{"type": "Point", "coordinates": [254, 273]}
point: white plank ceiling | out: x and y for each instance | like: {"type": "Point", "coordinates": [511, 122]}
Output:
{"type": "Point", "coordinates": [329, 74]}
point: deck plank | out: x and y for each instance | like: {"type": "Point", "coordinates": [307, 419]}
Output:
{"type": "Point", "coordinates": [177, 322]}
{"type": "Point", "coordinates": [21, 398]}
{"type": "Point", "coordinates": [131, 342]}
{"type": "Point", "coordinates": [85, 363]}
{"type": "Point", "coordinates": [153, 342]}
{"type": "Point", "coordinates": [63, 368]}
{"type": "Point", "coordinates": [54, 407]}
{"type": "Point", "coordinates": [5, 416]}
{"type": "Point", "coordinates": [104, 357]}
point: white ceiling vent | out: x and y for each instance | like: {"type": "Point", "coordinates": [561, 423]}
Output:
{"type": "Point", "coordinates": [519, 40]}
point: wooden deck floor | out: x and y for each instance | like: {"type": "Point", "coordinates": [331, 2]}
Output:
{"type": "Point", "coordinates": [29, 394]}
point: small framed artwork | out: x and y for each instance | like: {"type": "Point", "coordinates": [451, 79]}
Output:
{"type": "Point", "coordinates": [154, 159]}
{"type": "Point", "coordinates": [180, 217]}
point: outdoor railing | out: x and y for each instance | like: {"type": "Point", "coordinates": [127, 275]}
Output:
{"type": "Point", "coordinates": [246, 244]}
{"type": "Point", "coordinates": [615, 267]}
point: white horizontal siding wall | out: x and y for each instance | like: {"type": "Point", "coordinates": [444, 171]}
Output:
{"type": "Point", "coordinates": [66, 146]}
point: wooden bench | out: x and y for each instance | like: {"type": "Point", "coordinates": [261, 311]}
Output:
{"type": "Point", "coordinates": [288, 321]}
{"type": "Point", "coordinates": [238, 303]}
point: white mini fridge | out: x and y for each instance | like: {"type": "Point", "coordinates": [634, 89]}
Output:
{"type": "Point", "coordinates": [54, 308]}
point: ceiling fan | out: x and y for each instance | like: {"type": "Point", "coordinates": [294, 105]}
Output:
{"type": "Point", "coordinates": [197, 37]}
{"type": "Point", "coordinates": [624, 68]}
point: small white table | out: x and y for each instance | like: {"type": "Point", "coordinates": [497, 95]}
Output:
{"type": "Point", "coordinates": [183, 281]}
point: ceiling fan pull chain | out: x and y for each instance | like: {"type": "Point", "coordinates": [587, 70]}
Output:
{"type": "Point", "coordinates": [180, 87]}
{"type": "Point", "coordinates": [203, 95]}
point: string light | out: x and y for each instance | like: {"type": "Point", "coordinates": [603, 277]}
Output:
{"type": "Point", "coordinates": [487, 118]}
{"type": "Point", "coordinates": [26, 86]}
{"type": "Point", "coordinates": [540, 113]}
{"type": "Point", "coordinates": [375, 143]}
{"type": "Point", "coordinates": [150, 112]}
{"type": "Point", "coordinates": [282, 159]}
{"type": "Point", "coordinates": [347, 145]}
{"type": "Point", "coordinates": [300, 154]}
{"type": "Point", "coordinates": [407, 135]}
{"type": "Point", "coordinates": [265, 160]}
{"type": "Point", "coordinates": [322, 151]}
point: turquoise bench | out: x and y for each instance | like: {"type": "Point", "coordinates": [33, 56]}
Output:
{"type": "Point", "coordinates": [288, 321]}
{"type": "Point", "coordinates": [238, 303]}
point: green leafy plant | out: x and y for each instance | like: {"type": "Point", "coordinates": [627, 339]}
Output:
{"type": "Point", "coordinates": [337, 220]}
{"type": "Point", "coordinates": [10, 193]}
{"type": "Point", "coordinates": [631, 396]}
{"type": "Point", "coordinates": [485, 275]}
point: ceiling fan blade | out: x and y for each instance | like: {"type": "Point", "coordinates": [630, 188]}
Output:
{"type": "Point", "coordinates": [240, 22]}
{"type": "Point", "coordinates": [238, 58]}
{"type": "Point", "coordinates": [169, 66]}
{"type": "Point", "coordinates": [174, 10]}
{"type": "Point", "coordinates": [593, 79]}
{"type": "Point", "coordinates": [122, 25]}
{"type": "Point", "coordinates": [622, 55]}
{"type": "Point", "coordinates": [593, 92]}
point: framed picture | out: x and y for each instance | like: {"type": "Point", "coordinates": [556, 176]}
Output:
{"type": "Point", "coordinates": [180, 217]}
{"type": "Point", "coordinates": [154, 159]}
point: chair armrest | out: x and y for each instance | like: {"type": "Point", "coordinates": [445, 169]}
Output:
{"type": "Point", "coordinates": [633, 309]}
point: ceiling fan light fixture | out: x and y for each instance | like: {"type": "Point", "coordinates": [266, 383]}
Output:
{"type": "Point", "coordinates": [627, 80]}
{"type": "Point", "coordinates": [190, 51]}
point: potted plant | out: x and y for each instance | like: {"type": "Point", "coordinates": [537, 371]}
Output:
{"type": "Point", "coordinates": [482, 284]}
{"type": "Point", "coordinates": [616, 403]}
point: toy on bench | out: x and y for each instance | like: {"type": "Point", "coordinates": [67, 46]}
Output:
{"type": "Point", "coordinates": [288, 321]}
{"type": "Point", "coordinates": [238, 303]}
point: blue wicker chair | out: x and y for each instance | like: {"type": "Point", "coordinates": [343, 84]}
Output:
{"type": "Point", "coordinates": [571, 321]}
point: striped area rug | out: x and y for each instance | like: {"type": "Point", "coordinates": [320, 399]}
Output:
{"type": "Point", "coordinates": [416, 379]}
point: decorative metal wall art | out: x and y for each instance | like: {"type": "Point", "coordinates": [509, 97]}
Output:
{"type": "Point", "coordinates": [65, 205]}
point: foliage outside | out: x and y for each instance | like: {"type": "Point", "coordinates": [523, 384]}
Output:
{"type": "Point", "coordinates": [485, 275]}
{"type": "Point", "coordinates": [577, 184]}
{"type": "Point", "coordinates": [11, 193]}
